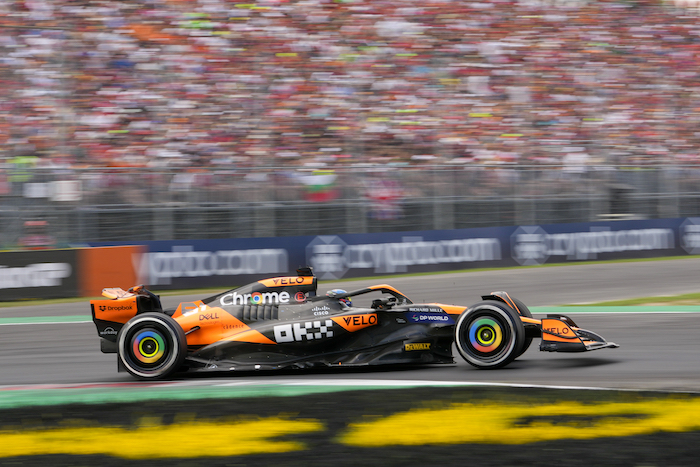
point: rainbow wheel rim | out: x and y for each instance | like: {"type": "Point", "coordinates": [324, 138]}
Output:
{"type": "Point", "coordinates": [485, 335]}
{"type": "Point", "coordinates": [148, 346]}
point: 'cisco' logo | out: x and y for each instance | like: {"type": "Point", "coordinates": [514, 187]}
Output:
{"type": "Point", "coordinates": [321, 310]}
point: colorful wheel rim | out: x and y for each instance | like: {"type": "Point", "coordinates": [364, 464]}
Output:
{"type": "Point", "coordinates": [148, 347]}
{"type": "Point", "coordinates": [485, 335]}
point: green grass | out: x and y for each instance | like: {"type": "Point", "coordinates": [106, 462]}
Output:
{"type": "Point", "coordinates": [679, 300]}
{"type": "Point", "coordinates": [548, 265]}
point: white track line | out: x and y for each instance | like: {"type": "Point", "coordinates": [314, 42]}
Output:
{"type": "Point", "coordinates": [45, 322]}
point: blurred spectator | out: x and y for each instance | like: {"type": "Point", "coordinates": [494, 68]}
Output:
{"type": "Point", "coordinates": [196, 82]}
{"type": "Point", "coordinates": [36, 236]}
{"type": "Point", "coordinates": [384, 195]}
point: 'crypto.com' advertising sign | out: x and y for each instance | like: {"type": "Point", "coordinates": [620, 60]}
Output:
{"type": "Point", "coordinates": [534, 245]}
{"type": "Point", "coordinates": [333, 258]}
{"type": "Point", "coordinates": [233, 262]}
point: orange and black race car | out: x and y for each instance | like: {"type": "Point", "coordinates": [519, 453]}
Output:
{"type": "Point", "coordinates": [282, 323]}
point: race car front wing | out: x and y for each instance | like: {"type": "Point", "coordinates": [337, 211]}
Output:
{"type": "Point", "coordinates": [561, 334]}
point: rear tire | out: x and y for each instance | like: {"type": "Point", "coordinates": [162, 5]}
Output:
{"type": "Point", "coordinates": [489, 335]}
{"type": "Point", "coordinates": [524, 311]}
{"type": "Point", "coordinates": [151, 346]}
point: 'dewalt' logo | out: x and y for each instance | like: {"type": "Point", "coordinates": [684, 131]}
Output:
{"type": "Point", "coordinates": [416, 346]}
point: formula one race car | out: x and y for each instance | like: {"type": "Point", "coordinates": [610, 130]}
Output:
{"type": "Point", "coordinates": [281, 323]}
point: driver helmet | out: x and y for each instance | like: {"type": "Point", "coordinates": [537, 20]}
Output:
{"type": "Point", "coordinates": [344, 300]}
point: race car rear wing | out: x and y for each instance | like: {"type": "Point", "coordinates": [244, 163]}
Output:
{"type": "Point", "coordinates": [118, 307]}
{"type": "Point", "coordinates": [560, 334]}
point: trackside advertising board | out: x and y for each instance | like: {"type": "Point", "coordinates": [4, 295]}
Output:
{"type": "Point", "coordinates": [80, 272]}
{"type": "Point", "coordinates": [38, 274]}
{"type": "Point", "coordinates": [231, 262]}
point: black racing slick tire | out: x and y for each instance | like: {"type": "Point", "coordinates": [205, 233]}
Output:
{"type": "Point", "coordinates": [489, 335]}
{"type": "Point", "coordinates": [524, 311]}
{"type": "Point", "coordinates": [151, 346]}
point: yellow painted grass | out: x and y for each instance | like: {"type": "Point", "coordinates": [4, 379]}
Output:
{"type": "Point", "coordinates": [153, 440]}
{"type": "Point", "coordinates": [487, 423]}
{"type": "Point", "coordinates": [520, 424]}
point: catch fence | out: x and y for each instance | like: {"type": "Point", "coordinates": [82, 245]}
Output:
{"type": "Point", "coordinates": [71, 207]}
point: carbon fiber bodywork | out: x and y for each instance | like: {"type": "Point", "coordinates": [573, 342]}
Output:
{"type": "Point", "coordinates": [320, 331]}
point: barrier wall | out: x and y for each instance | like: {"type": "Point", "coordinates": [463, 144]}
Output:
{"type": "Point", "coordinates": [187, 264]}
{"type": "Point", "coordinates": [231, 262]}
{"type": "Point", "coordinates": [38, 274]}
{"type": "Point", "coordinates": [41, 274]}
{"type": "Point", "coordinates": [100, 267]}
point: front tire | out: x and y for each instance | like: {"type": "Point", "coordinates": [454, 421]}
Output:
{"type": "Point", "coordinates": [489, 335]}
{"type": "Point", "coordinates": [151, 346]}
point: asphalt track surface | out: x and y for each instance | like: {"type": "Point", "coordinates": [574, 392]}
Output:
{"type": "Point", "coordinates": [659, 351]}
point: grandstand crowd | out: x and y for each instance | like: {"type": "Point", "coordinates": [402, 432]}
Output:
{"type": "Point", "coordinates": [288, 83]}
